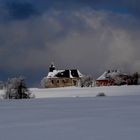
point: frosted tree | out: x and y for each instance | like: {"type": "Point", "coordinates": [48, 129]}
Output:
{"type": "Point", "coordinates": [44, 82]}
{"type": "Point", "coordinates": [16, 89]}
{"type": "Point", "coordinates": [86, 81]}
{"type": "Point", "coordinates": [1, 84]}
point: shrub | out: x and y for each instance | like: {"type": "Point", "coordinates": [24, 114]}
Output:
{"type": "Point", "coordinates": [101, 94]}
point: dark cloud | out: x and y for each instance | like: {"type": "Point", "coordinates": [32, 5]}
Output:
{"type": "Point", "coordinates": [119, 6]}
{"type": "Point", "coordinates": [20, 10]}
{"type": "Point", "coordinates": [90, 35]}
{"type": "Point", "coordinates": [23, 9]}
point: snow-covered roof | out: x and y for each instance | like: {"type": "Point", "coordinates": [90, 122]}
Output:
{"type": "Point", "coordinates": [79, 73]}
{"type": "Point", "coordinates": [103, 76]}
{"type": "Point", "coordinates": [110, 74]}
{"type": "Point", "coordinates": [61, 73]}
{"type": "Point", "coordinates": [54, 73]}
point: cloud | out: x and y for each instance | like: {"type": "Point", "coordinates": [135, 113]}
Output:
{"type": "Point", "coordinates": [22, 9]}
{"type": "Point", "coordinates": [88, 39]}
{"type": "Point", "coordinates": [76, 38]}
{"type": "Point", "coordinates": [120, 6]}
{"type": "Point", "coordinates": [17, 10]}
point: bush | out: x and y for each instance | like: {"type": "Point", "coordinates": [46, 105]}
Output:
{"type": "Point", "coordinates": [100, 94]}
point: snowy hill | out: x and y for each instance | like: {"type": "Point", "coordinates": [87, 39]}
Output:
{"type": "Point", "coordinates": [86, 92]}
{"type": "Point", "coordinates": [114, 117]}
{"type": "Point", "coordinates": [105, 118]}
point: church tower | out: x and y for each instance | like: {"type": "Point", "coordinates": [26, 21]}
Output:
{"type": "Point", "coordinates": [52, 67]}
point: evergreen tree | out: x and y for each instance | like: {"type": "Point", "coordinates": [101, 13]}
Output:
{"type": "Point", "coordinates": [135, 78]}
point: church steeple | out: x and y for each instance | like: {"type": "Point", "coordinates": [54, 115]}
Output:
{"type": "Point", "coordinates": [52, 67]}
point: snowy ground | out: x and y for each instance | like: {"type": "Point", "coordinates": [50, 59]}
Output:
{"type": "Point", "coordinates": [86, 92]}
{"type": "Point", "coordinates": [114, 117]}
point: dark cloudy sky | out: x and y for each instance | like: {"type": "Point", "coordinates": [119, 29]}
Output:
{"type": "Point", "coordinates": [91, 35]}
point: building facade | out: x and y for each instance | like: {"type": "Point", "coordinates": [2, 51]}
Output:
{"type": "Point", "coordinates": [61, 78]}
{"type": "Point", "coordinates": [112, 77]}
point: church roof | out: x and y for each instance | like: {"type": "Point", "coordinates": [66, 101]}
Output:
{"type": "Point", "coordinates": [70, 73]}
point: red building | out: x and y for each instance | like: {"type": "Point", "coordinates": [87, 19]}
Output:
{"type": "Point", "coordinates": [113, 77]}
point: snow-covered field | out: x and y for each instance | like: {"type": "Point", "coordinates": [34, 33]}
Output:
{"type": "Point", "coordinates": [86, 92]}
{"type": "Point", "coordinates": [114, 117]}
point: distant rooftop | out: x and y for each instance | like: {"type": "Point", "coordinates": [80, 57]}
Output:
{"type": "Point", "coordinates": [110, 74]}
